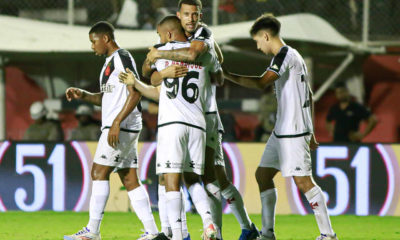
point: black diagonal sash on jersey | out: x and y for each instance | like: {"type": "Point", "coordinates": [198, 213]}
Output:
{"type": "Point", "coordinates": [278, 60]}
{"type": "Point", "coordinates": [127, 63]}
{"type": "Point", "coordinates": [107, 72]}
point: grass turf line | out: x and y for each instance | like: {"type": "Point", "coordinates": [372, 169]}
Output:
{"type": "Point", "coordinates": [126, 226]}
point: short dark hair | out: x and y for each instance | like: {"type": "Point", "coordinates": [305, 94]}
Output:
{"type": "Point", "coordinates": [190, 2]}
{"type": "Point", "coordinates": [266, 22]}
{"type": "Point", "coordinates": [103, 27]}
{"type": "Point", "coordinates": [173, 23]}
{"type": "Point", "coordinates": [169, 18]}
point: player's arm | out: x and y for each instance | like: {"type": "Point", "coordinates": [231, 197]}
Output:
{"type": "Point", "coordinates": [146, 68]}
{"type": "Point", "coordinates": [131, 102]}
{"type": "Point", "coordinates": [217, 77]}
{"type": "Point", "coordinates": [190, 54]}
{"type": "Point", "coordinates": [148, 91]}
{"type": "Point", "coordinates": [218, 52]}
{"type": "Point", "coordinates": [173, 71]}
{"type": "Point", "coordinates": [77, 93]}
{"type": "Point", "coordinates": [371, 123]}
{"type": "Point", "coordinates": [257, 82]}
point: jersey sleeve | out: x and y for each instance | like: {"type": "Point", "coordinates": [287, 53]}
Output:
{"type": "Point", "coordinates": [127, 61]}
{"type": "Point", "coordinates": [203, 34]}
{"type": "Point", "coordinates": [280, 62]}
{"type": "Point", "coordinates": [215, 66]}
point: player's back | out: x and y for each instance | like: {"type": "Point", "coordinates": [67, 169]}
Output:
{"type": "Point", "coordinates": [292, 92]}
{"type": "Point", "coordinates": [183, 100]}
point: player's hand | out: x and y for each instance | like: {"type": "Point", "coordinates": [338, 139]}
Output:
{"type": "Point", "coordinates": [113, 135]}
{"type": "Point", "coordinates": [313, 143]}
{"type": "Point", "coordinates": [127, 78]}
{"type": "Point", "coordinates": [356, 136]}
{"type": "Point", "coordinates": [73, 93]}
{"type": "Point", "coordinates": [152, 56]}
{"type": "Point", "coordinates": [174, 71]}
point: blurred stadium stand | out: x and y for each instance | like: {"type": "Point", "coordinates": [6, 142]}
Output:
{"type": "Point", "coordinates": [345, 15]}
{"type": "Point", "coordinates": [45, 75]}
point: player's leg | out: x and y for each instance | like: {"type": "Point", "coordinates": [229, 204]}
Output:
{"type": "Point", "coordinates": [194, 168]}
{"type": "Point", "coordinates": [103, 165]}
{"type": "Point", "coordinates": [127, 171]}
{"type": "Point", "coordinates": [174, 202]}
{"type": "Point", "coordinates": [317, 202]}
{"type": "Point", "coordinates": [296, 161]}
{"type": "Point", "coordinates": [162, 207]}
{"type": "Point", "coordinates": [100, 191]}
{"type": "Point", "coordinates": [140, 201]}
{"type": "Point", "coordinates": [213, 190]}
{"type": "Point", "coordinates": [265, 174]}
{"type": "Point", "coordinates": [171, 152]}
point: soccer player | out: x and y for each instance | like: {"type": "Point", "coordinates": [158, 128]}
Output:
{"type": "Point", "coordinates": [121, 125]}
{"type": "Point", "coordinates": [288, 148]}
{"type": "Point", "coordinates": [181, 124]}
{"type": "Point", "coordinates": [201, 41]}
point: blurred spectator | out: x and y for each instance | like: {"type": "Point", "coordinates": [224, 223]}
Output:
{"type": "Point", "coordinates": [42, 129]}
{"type": "Point", "coordinates": [88, 128]}
{"type": "Point", "coordinates": [268, 108]}
{"type": "Point", "coordinates": [227, 11]}
{"type": "Point", "coordinates": [343, 120]}
{"type": "Point", "coordinates": [52, 116]}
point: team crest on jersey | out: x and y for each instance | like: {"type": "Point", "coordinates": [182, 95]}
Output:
{"type": "Point", "coordinates": [108, 69]}
{"type": "Point", "coordinates": [107, 88]}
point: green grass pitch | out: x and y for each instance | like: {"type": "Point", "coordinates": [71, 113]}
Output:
{"type": "Point", "coordinates": [53, 225]}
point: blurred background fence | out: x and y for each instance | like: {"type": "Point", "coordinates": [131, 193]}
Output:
{"type": "Point", "coordinates": [358, 20]}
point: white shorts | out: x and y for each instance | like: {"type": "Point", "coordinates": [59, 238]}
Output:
{"type": "Point", "coordinates": [212, 130]}
{"type": "Point", "coordinates": [219, 152]}
{"type": "Point", "coordinates": [180, 148]}
{"type": "Point", "coordinates": [290, 155]}
{"type": "Point", "coordinates": [124, 156]}
{"type": "Point", "coordinates": [214, 137]}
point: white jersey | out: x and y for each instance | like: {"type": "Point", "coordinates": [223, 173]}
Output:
{"type": "Point", "coordinates": [183, 100]}
{"type": "Point", "coordinates": [205, 35]}
{"type": "Point", "coordinates": [115, 93]}
{"type": "Point", "coordinates": [292, 93]}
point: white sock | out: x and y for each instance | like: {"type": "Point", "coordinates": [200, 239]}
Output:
{"type": "Point", "coordinates": [268, 203]}
{"type": "Point", "coordinates": [185, 231]}
{"type": "Point", "coordinates": [215, 200]}
{"type": "Point", "coordinates": [98, 200]}
{"type": "Point", "coordinates": [141, 204]}
{"type": "Point", "coordinates": [200, 201]}
{"type": "Point", "coordinates": [162, 210]}
{"type": "Point", "coordinates": [235, 201]}
{"type": "Point", "coordinates": [317, 202]}
{"type": "Point", "coordinates": [174, 203]}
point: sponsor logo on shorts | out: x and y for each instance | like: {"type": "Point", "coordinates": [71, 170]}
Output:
{"type": "Point", "coordinates": [117, 158]}
{"type": "Point", "coordinates": [297, 169]}
{"type": "Point", "coordinates": [135, 161]}
{"type": "Point", "coordinates": [191, 164]}
{"type": "Point", "coordinates": [168, 164]}
{"type": "Point", "coordinates": [103, 156]}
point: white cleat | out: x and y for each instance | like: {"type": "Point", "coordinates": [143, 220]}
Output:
{"type": "Point", "coordinates": [147, 236]}
{"type": "Point", "coordinates": [83, 234]}
{"type": "Point", "coordinates": [210, 233]}
{"type": "Point", "coordinates": [327, 237]}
